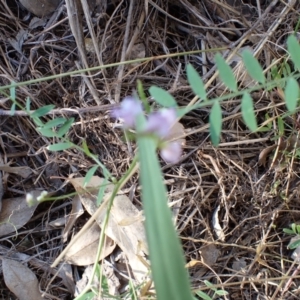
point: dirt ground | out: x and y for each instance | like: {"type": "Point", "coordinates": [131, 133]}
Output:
{"type": "Point", "coordinates": [232, 201]}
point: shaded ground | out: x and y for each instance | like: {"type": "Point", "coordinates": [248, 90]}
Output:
{"type": "Point", "coordinates": [252, 194]}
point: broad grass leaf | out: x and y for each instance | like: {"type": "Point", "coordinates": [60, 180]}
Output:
{"type": "Point", "coordinates": [291, 94]}
{"type": "Point", "coordinates": [195, 82]}
{"type": "Point", "coordinates": [248, 112]}
{"type": "Point", "coordinates": [60, 146]}
{"type": "Point", "coordinates": [20, 280]}
{"type": "Point", "coordinates": [166, 254]}
{"type": "Point", "coordinates": [225, 73]}
{"type": "Point", "coordinates": [253, 67]}
{"type": "Point", "coordinates": [162, 97]}
{"type": "Point", "coordinates": [42, 111]}
{"type": "Point", "coordinates": [294, 50]}
{"type": "Point", "coordinates": [215, 123]}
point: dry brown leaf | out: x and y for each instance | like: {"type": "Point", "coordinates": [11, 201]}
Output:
{"type": "Point", "coordinates": [76, 212]}
{"type": "Point", "coordinates": [15, 213]}
{"type": "Point", "coordinates": [239, 264]}
{"type": "Point", "coordinates": [40, 8]}
{"type": "Point", "coordinates": [66, 274]}
{"type": "Point", "coordinates": [209, 254]}
{"type": "Point", "coordinates": [22, 171]}
{"type": "Point", "coordinates": [130, 238]}
{"type": "Point", "coordinates": [83, 251]}
{"type": "Point", "coordinates": [177, 131]}
{"type": "Point", "coordinates": [192, 263]}
{"type": "Point", "coordinates": [20, 280]}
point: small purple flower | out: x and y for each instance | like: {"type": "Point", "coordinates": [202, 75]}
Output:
{"type": "Point", "coordinates": [161, 122]}
{"type": "Point", "coordinates": [171, 152]}
{"type": "Point", "coordinates": [128, 110]}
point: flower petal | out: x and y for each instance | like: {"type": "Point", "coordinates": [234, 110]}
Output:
{"type": "Point", "coordinates": [171, 152]}
{"type": "Point", "coordinates": [128, 110]}
{"type": "Point", "coordinates": [161, 122]}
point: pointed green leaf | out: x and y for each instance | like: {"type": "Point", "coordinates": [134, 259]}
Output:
{"type": "Point", "coordinates": [225, 73]}
{"type": "Point", "coordinates": [60, 146]}
{"type": "Point", "coordinates": [42, 111]}
{"type": "Point", "coordinates": [65, 128]}
{"type": "Point", "coordinates": [13, 109]}
{"type": "Point", "coordinates": [291, 94]}
{"type": "Point", "coordinates": [162, 97]}
{"type": "Point", "coordinates": [280, 125]}
{"type": "Point", "coordinates": [215, 123]}
{"type": "Point", "coordinates": [203, 295]}
{"type": "Point", "coordinates": [55, 122]}
{"type": "Point", "coordinates": [47, 132]}
{"type": "Point", "coordinates": [253, 67]}
{"type": "Point", "coordinates": [90, 173]}
{"type": "Point", "coordinates": [293, 226]}
{"type": "Point", "coordinates": [196, 82]}
{"type": "Point", "coordinates": [294, 244]}
{"type": "Point", "coordinates": [12, 91]}
{"type": "Point", "coordinates": [28, 104]}
{"type": "Point", "coordinates": [294, 50]}
{"type": "Point", "coordinates": [248, 112]}
{"type": "Point", "coordinates": [288, 231]}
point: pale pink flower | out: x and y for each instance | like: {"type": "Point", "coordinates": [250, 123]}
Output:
{"type": "Point", "coordinates": [128, 110]}
{"type": "Point", "coordinates": [171, 152]}
{"type": "Point", "coordinates": [161, 122]}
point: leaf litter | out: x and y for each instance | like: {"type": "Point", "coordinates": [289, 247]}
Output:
{"type": "Point", "coordinates": [246, 193]}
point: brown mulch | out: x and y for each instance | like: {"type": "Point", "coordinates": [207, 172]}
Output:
{"type": "Point", "coordinates": [250, 195]}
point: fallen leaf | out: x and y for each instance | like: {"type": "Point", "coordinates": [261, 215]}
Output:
{"type": "Point", "coordinates": [22, 171]}
{"type": "Point", "coordinates": [40, 8]}
{"type": "Point", "coordinates": [209, 254]}
{"type": "Point", "coordinates": [83, 252]}
{"type": "Point", "coordinates": [130, 238]}
{"type": "Point", "coordinates": [20, 280]}
{"type": "Point", "coordinates": [17, 43]}
{"type": "Point", "coordinates": [239, 264]}
{"type": "Point", "coordinates": [15, 213]}
{"type": "Point", "coordinates": [76, 212]}
{"type": "Point", "coordinates": [66, 274]}
{"type": "Point", "coordinates": [137, 51]}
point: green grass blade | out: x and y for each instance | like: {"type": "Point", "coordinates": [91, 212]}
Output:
{"type": "Point", "coordinates": [248, 112]}
{"type": "Point", "coordinates": [196, 82]}
{"type": "Point", "coordinates": [253, 67]}
{"type": "Point", "coordinates": [162, 97]}
{"type": "Point", "coordinates": [215, 123]}
{"type": "Point", "coordinates": [294, 50]}
{"type": "Point", "coordinates": [225, 73]}
{"type": "Point", "coordinates": [166, 255]}
{"type": "Point", "coordinates": [291, 94]}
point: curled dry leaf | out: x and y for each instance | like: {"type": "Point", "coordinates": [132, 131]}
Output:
{"type": "Point", "coordinates": [15, 213]}
{"type": "Point", "coordinates": [20, 280]}
{"type": "Point", "coordinates": [216, 225]}
{"type": "Point", "coordinates": [83, 252]}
